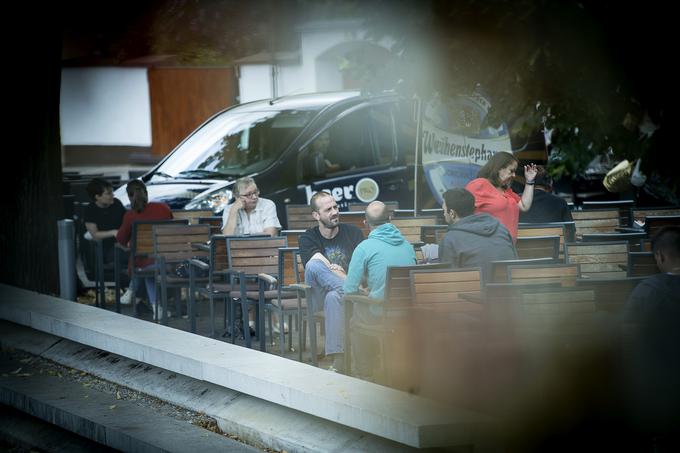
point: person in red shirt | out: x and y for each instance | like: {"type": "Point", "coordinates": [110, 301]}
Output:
{"type": "Point", "coordinates": [142, 209]}
{"type": "Point", "coordinates": [493, 194]}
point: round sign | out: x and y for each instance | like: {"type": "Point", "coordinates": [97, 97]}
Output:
{"type": "Point", "coordinates": [367, 190]}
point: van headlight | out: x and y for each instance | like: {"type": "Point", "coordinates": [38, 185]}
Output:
{"type": "Point", "coordinates": [215, 200]}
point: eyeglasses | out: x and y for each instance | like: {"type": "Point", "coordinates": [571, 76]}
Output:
{"type": "Point", "coordinates": [253, 194]}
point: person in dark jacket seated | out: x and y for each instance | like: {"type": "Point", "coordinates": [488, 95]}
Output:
{"type": "Point", "coordinates": [546, 206]}
{"type": "Point", "coordinates": [472, 240]}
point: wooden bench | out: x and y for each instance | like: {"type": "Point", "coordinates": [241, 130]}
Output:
{"type": "Point", "coordinates": [299, 217]}
{"type": "Point", "coordinates": [498, 270]}
{"type": "Point", "coordinates": [562, 274]}
{"type": "Point", "coordinates": [599, 259]}
{"type": "Point", "coordinates": [634, 239]}
{"type": "Point", "coordinates": [596, 221]}
{"type": "Point", "coordinates": [529, 247]}
{"type": "Point", "coordinates": [640, 214]}
{"type": "Point", "coordinates": [565, 230]}
{"type": "Point", "coordinates": [624, 207]}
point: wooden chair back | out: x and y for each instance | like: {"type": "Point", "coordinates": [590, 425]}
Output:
{"type": "Point", "coordinates": [589, 221]}
{"type": "Point", "coordinates": [141, 243]}
{"type": "Point", "coordinates": [293, 236]}
{"type": "Point", "coordinates": [529, 247]}
{"type": "Point", "coordinates": [565, 230]}
{"type": "Point", "coordinates": [640, 214]}
{"type": "Point", "coordinates": [192, 215]}
{"type": "Point", "coordinates": [624, 207]}
{"type": "Point", "coordinates": [554, 312]}
{"type": "Point", "coordinates": [215, 223]}
{"type": "Point", "coordinates": [654, 223]}
{"type": "Point", "coordinates": [255, 255]}
{"type": "Point", "coordinates": [299, 217]}
{"type": "Point", "coordinates": [634, 239]}
{"type": "Point", "coordinates": [175, 243]}
{"type": "Point", "coordinates": [562, 274]}
{"type": "Point", "coordinates": [287, 266]}
{"type": "Point", "coordinates": [410, 227]}
{"type": "Point", "coordinates": [444, 286]}
{"type": "Point", "coordinates": [498, 270]}
{"type": "Point", "coordinates": [599, 259]}
{"type": "Point", "coordinates": [641, 264]}
{"type": "Point", "coordinates": [398, 283]}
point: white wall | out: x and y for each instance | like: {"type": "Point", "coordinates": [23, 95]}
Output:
{"type": "Point", "coordinates": [254, 82]}
{"type": "Point", "coordinates": [105, 106]}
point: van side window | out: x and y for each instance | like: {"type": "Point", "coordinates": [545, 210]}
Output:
{"type": "Point", "coordinates": [363, 138]}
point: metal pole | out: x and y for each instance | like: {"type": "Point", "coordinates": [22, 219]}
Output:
{"type": "Point", "coordinates": [417, 162]}
{"type": "Point", "coordinates": [67, 261]}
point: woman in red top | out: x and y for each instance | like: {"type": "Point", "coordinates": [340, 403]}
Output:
{"type": "Point", "coordinates": [141, 209]}
{"type": "Point", "coordinates": [493, 194]}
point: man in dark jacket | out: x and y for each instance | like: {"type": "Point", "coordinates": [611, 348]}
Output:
{"type": "Point", "coordinates": [546, 206]}
{"type": "Point", "coordinates": [473, 240]}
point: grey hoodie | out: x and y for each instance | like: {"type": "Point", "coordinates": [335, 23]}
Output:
{"type": "Point", "coordinates": [475, 241]}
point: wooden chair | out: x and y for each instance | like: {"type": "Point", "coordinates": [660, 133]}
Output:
{"type": "Point", "coordinates": [173, 245]}
{"type": "Point", "coordinates": [311, 316]}
{"type": "Point", "coordinates": [248, 258]}
{"type": "Point", "coordinates": [192, 215]}
{"type": "Point", "coordinates": [561, 274]}
{"type": "Point", "coordinates": [286, 300]}
{"type": "Point", "coordinates": [498, 270]}
{"type": "Point", "coordinates": [624, 207]}
{"type": "Point", "coordinates": [599, 259]}
{"type": "Point", "coordinates": [448, 317]}
{"type": "Point", "coordinates": [299, 217]}
{"type": "Point", "coordinates": [394, 316]}
{"type": "Point", "coordinates": [410, 227]}
{"type": "Point", "coordinates": [218, 285]}
{"type": "Point", "coordinates": [565, 230]}
{"type": "Point", "coordinates": [590, 221]}
{"type": "Point", "coordinates": [538, 247]}
{"type": "Point", "coordinates": [141, 246]}
{"type": "Point", "coordinates": [640, 214]}
{"type": "Point", "coordinates": [641, 264]}
{"type": "Point", "coordinates": [292, 236]}
{"type": "Point", "coordinates": [634, 239]}
{"type": "Point", "coordinates": [654, 223]}
{"type": "Point", "coordinates": [215, 223]}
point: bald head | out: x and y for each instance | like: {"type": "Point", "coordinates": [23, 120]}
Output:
{"type": "Point", "coordinates": [377, 214]}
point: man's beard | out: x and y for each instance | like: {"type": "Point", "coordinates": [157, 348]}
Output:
{"type": "Point", "coordinates": [331, 223]}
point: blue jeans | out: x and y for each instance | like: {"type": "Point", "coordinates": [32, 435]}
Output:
{"type": "Point", "coordinates": [327, 293]}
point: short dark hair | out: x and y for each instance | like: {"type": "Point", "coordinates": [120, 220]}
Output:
{"type": "Point", "coordinates": [497, 162]}
{"type": "Point", "coordinates": [460, 200]}
{"type": "Point", "coordinates": [316, 196]}
{"type": "Point", "coordinates": [97, 187]}
{"type": "Point", "coordinates": [667, 239]}
{"type": "Point", "coordinates": [136, 191]}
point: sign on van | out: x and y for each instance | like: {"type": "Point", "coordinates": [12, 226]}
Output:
{"type": "Point", "coordinates": [454, 146]}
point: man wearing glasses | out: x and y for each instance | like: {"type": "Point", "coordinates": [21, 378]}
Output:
{"type": "Point", "coordinates": [249, 214]}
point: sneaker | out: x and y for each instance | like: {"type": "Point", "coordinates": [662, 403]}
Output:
{"type": "Point", "coordinates": [126, 299]}
{"type": "Point", "coordinates": [157, 311]}
{"type": "Point", "coordinates": [276, 330]}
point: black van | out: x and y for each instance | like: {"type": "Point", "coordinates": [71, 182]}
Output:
{"type": "Point", "coordinates": [359, 148]}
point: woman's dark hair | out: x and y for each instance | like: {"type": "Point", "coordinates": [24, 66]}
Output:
{"type": "Point", "coordinates": [497, 162]}
{"type": "Point", "coordinates": [136, 191]}
{"type": "Point", "coordinates": [460, 200]}
{"type": "Point", "coordinates": [97, 187]}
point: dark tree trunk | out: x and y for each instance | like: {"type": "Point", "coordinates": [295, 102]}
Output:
{"type": "Point", "coordinates": [31, 158]}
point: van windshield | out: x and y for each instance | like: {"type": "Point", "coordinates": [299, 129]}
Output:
{"type": "Point", "coordinates": [236, 144]}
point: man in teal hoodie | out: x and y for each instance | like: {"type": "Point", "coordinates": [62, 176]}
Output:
{"type": "Point", "coordinates": [384, 247]}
